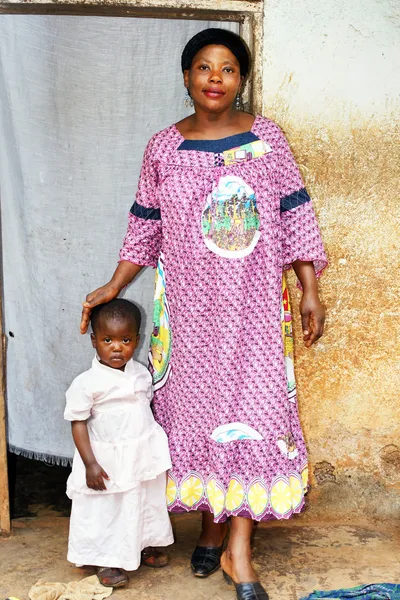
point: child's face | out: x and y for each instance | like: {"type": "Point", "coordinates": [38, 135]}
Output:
{"type": "Point", "coordinates": [115, 341]}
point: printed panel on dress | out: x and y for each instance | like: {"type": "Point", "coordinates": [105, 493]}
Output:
{"type": "Point", "coordinates": [246, 152]}
{"type": "Point", "coordinates": [233, 432]}
{"type": "Point", "coordinates": [287, 334]}
{"type": "Point", "coordinates": [230, 219]}
{"type": "Point", "coordinates": [161, 339]}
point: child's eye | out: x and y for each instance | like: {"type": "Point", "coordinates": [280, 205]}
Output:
{"type": "Point", "coordinates": [107, 340]}
{"type": "Point", "coordinates": [127, 340]}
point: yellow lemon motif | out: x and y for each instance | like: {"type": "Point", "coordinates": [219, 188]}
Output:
{"type": "Point", "coordinates": [257, 498]}
{"type": "Point", "coordinates": [216, 496]}
{"type": "Point", "coordinates": [297, 491]}
{"type": "Point", "coordinates": [281, 497]}
{"type": "Point", "coordinates": [304, 478]}
{"type": "Point", "coordinates": [191, 490]}
{"type": "Point", "coordinates": [172, 491]}
{"type": "Point", "coordinates": [234, 495]}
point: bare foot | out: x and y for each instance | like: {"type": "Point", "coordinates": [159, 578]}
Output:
{"type": "Point", "coordinates": [238, 567]}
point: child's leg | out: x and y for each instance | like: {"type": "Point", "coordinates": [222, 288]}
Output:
{"type": "Point", "coordinates": [157, 530]}
{"type": "Point", "coordinates": [106, 529]}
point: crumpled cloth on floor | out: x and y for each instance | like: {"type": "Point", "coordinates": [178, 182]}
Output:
{"type": "Point", "coordinates": [89, 588]}
{"type": "Point", "coordinates": [374, 591]}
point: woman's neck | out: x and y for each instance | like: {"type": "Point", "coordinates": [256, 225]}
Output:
{"type": "Point", "coordinates": [211, 126]}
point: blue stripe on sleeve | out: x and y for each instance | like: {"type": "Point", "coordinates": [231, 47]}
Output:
{"type": "Point", "coordinates": [148, 214]}
{"type": "Point", "coordinates": [294, 200]}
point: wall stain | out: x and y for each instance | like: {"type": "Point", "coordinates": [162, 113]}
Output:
{"type": "Point", "coordinates": [348, 383]}
{"type": "Point", "coordinates": [324, 472]}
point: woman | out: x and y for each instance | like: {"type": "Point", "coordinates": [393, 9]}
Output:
{"type": "Point", "coordinates": [220, 211]}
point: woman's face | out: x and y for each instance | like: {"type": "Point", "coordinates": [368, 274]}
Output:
{"type": "Point", "coordinates": [213, 79]}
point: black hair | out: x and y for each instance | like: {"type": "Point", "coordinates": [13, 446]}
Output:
{"type": "Point", "coordinates": [119, 309]}
{"type": "Point", "coordinates": [221, 37]}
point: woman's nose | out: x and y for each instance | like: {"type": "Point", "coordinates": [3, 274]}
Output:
{"type": "Point", "coordinates": [215, 77]}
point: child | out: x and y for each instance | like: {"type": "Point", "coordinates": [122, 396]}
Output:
{"type": "Point", "coordinates": [118, 478]}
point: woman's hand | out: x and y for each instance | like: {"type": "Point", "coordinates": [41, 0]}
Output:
{"type": "Point", "coordinates": [95, 477]}
{"type": "Point", "coordinates": [100, 296]}
{"type": "Point", "coordinates": [312, 317]}
{"type": "Point", "coordinates": [124, 274]}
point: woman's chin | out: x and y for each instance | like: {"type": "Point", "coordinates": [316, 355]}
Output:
{"type": "Point", "coordinates": [213, 106]}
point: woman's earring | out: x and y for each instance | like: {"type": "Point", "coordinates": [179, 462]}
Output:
{"type": "Point", "coordinates": [238, 102]}
{"type": "Point", "coordinates": [188, 100]}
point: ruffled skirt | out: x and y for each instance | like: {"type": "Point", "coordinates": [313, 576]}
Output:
{"type": "Point", "coordinates": [111, 530]}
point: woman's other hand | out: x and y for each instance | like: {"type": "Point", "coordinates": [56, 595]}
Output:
{"type": "Point", "coordinates": [95, 476]}
{"type": "Point", "coordinates": [311, 310]}
{"type": "Point", "coordinates": [100, 296]}
{"type": "Point", "coordinates": [312, 318]}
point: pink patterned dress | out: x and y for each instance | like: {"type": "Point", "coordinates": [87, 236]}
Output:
{"type": "Point", "coordinates": [220, 221]}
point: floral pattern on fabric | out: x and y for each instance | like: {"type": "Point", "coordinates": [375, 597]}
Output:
{"type": "Point", "coordinates": [231, 351]}
{"type": "Point", "coordinates": [258, 501]}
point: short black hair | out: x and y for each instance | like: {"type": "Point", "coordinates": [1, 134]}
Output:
{"type": "Point", "coordinates": [221, 37]}
{"type": "Point", "coordinates": [119, 309]}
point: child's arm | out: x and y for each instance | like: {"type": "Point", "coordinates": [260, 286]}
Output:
{"type": "Point", "coordinates": [311, 310]}
{"type": "Point", "coordinates": [95, 475]}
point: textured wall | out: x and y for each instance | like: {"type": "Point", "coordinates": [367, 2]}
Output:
{"type": "Point", "coordinates": [329, 81]}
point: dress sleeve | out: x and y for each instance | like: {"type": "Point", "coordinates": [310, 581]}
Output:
{"type": "Point", "coordinates": [301, 238]}
{"type": "Point", "coordinates": [142, 242]}
{"type": "Point", "coordinates": [79, 402]}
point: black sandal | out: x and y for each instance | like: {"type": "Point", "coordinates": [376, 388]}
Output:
{"type": "Point", "coordinates": [247, 591]}
{"type": "Point", "coordinates": [206, 560]}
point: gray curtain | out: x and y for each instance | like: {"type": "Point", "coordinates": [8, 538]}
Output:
{"type": "Point", "coordinates": [79, 99]}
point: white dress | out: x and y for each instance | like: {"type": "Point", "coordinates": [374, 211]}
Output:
{"type": "Point", "coordinates": [111, 527]}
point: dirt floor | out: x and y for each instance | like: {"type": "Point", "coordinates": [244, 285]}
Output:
{"type": "Point", "coordinates": [293, 558]}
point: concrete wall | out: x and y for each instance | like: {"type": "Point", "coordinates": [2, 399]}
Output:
{"type": "Point", "coordinates": [331, 80]}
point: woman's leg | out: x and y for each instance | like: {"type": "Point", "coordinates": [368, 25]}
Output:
{"type": "Point", "coordinates": [212, 534]}
{"type": "Point", "coordinates": [206, 558]}
{"type": "Point", "coordinates": [236, 560]}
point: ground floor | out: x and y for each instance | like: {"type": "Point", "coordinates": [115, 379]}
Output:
{"type": "Point", "coordinates": [293, 558]}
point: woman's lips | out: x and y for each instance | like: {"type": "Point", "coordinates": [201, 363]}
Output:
{"type": "Point", "coordinates": [213, 93]}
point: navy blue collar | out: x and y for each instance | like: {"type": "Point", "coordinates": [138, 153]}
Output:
{"type": "Point", "coordinates": [217, 146]}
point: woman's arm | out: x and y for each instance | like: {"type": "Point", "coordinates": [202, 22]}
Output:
{"type": "Point", "coordinates": [124, 274]}
{"type": "Point", "coordinates": [311, 310]}
{"type": "Point", "coordinates": [95, 475]}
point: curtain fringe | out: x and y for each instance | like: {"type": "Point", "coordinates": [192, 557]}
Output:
{"type": "Point", "coordinates": [49, 459]}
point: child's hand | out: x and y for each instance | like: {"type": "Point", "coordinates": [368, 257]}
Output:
{"type": "Point", "coordinates": [312, 318]}
{"type": "Point", "coordinates": [95, 476]}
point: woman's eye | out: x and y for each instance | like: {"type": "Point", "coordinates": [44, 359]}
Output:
{"type": "Point", "coordinates": [229, 70]}
{"type": "Point", "coordinates": [203, 67]}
